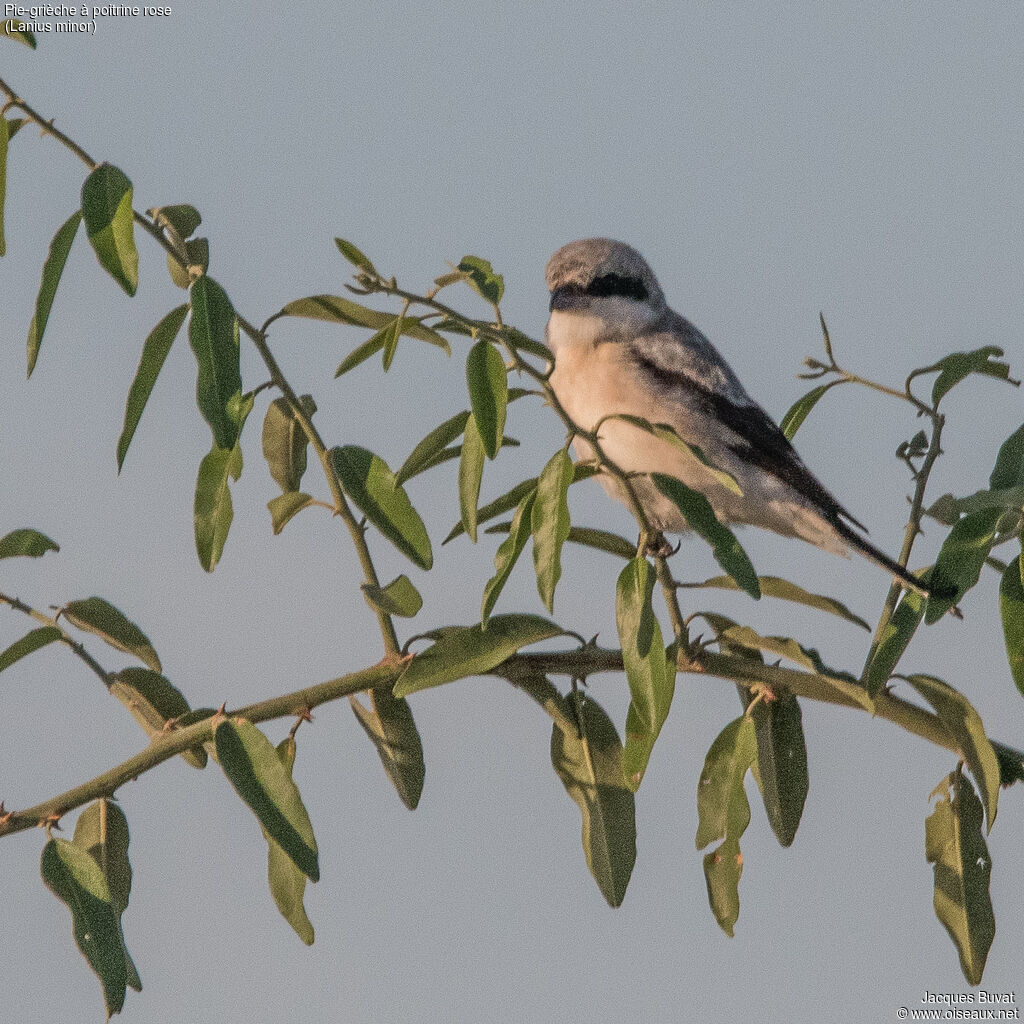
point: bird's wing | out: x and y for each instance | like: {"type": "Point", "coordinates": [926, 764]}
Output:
{"type": "Point", "coordinates": [685, 367]}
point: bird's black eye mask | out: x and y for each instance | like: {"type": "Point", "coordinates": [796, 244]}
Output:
{"type": "Point", "coordinates": [605, 285]}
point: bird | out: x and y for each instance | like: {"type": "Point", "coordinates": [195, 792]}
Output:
{"type": "Point", "coordinates": [619, 348]}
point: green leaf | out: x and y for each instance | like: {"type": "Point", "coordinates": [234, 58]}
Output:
{"type": "Point", "coordinates": [183, 218]}
{"type": "Point", "coordinates": [399, 597]}
{"type": "Point", "coordinates": [212, 510]}
{"type": "Point", "coordinates": [154, 352]}
{"type": "Point", "coordinates": [1008, 471]}
{"type": "Point", "coordinates": [668, 434]}
{"type": "Point", "coordinates": [31, 641]}
{"type": "Point", "coordinates": [948, 509]}
{"type": "Point", "coordinates": [701, 517]}
{"type": "Point", "coordinates": [507, 555]}
{"type": "Point", "coordinates": [893, 641]}
{"type": "Point", "coordinates": [781, 763]}
{"type": "Point", "coordinates": [367, 480]}
{"type": "Point", "coordinates": [97, 616]}
{"type": "Point", "coordinates": [487, 381]}
{"type": "Point", "coordinates": [524, 343]}
{"type": "Point", "coordinates": [775, 586]}
{"type": "Point", "coordinates": [643, 653]}
{"type": "Point", "coordinates": [390, 335]}
{"type": "Point", "coordinates": [338, 310]}
{"type": "Point", "coordinates": [601, 540]}
{"type": "Point", "coordinates": [360, 354]}
{"type": "Point", "coordinates": [254, 768]}
{"type": "Point", "coordinates": [197, 256]}
{"type": "Point", "coordinates": [954, 844]}
{"type": "Point", "coordinates": [355, 257]}
{"type": "Point", "coordinates": [501, 504]}
{"type": "Point", "coordinates": [471, 650]}
{"type": "Point", "coordinates": [964, 724]}
{"type": "Point", "coordinates": [801, 408]}
{"type": "Point", "coordinates": [550, 524]}
{"type": "Point", "coordinates": [284, 506]}
{"type": "Point", "coordinates": [56, 258]}
{"type": "Point", "coordinates": [153, 701]}
{"type": "Point", "coordinates": [482, 279]}
{"type": "Point", "coordinates": [724, 813]}
{"type": "Point", "coordinates": [107, 212]}
{"type": "Point", "coordinates": [393, 732]}
{"type": "Point", "coordinates": [4, 139]}
{"type": "Point", "coordinates": [431, 450]}
{"type": "Point", "coordinates": [787, 647]}
{"type": "Point", "coordinates": [14, 125]}
{"type": "Point", "coordinates": [957, 366]}
{"type": "Point", "coordinates": [285, 442]}
{"type": "Point", "coordinates": [1011, 611]}
{"type": "Point", "coordinates": [286, 880]}
{"type": "Point", "coordinates": [213, 334]}
{"type": "Point", "coordinates": [75, 878]}
{"type": "Point", "coordinates": [471, 471]}
{"type": "Point", "coordinates": [589, 763]}
{"type": "Point", "coordinates": [958, 567]}
{"type": "Point", "coordinates": [27, 542]}
{"type": "Point", "coordinates": [102, 830]}
{"type": "Point", "coordinates": [22, 35]}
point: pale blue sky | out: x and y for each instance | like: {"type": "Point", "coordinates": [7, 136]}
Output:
{"type": "Point", "coordinates": [865, 160]}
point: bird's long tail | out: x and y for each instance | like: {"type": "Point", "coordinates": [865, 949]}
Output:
{"type": "Point", "coordinates": [868, 550]}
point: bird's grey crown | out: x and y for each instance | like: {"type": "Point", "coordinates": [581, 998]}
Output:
{"type": "Point", "coordinates": [579, 264]}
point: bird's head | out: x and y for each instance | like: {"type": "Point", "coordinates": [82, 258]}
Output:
{"type": "Point", "coordinates": [599, 276]}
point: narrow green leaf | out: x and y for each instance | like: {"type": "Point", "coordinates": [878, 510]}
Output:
{"type": "Point", "coordinates": [183, 218]}
{"type": "Point", "coordinates": [431, 450]}
{"type": "Point", "coordinates": [30, 642]}
{"type": "Point", "coordinates": [360, 354]}
{"type": "Point", "coordinates": [390, 335]}
{"type": "Point", "coordinates": [107, 212]}
{"type": "Point", "coordinates": [26, 542]}
{"type": "Point", "coordinates": [964, 724]}
{"type": "Point", "coordinates": [501, 504]}
{"type": "Point", "coordinates": [665, 432]}
{"type": "Point", "coordinates": [643, 653]}
{"type": "Point", "coordinates": [284, 507]}
{"type": "Point", "coordinates": [957, 366]}
{"type": "Point", "coordinates": [9, 27]}
{"type": "Point", "coordinates": [958, 567]}
{"type": "Point", "coordinates": [955, 846]}
{"type": "Point", "coordinates": [393, 732]}
{"type": "Point", "coordinates": [72, 875]}
{"type": "Point", "coordinates": [53, 267]}
{"type": "Point", "coordinates": [1011, 611]}
{"type": "Point", "coordinates": [154, 352]}
{"type": "Point", "coordinates": [399, 597]}
{"type": "Point", "coordinates": [369, 482]}
{"type": "Point", "coordinates": [254, 768]}
{"type": "Point", "coordinates": [550, 524]}
{"type": "Point", "coordinates": [724, 813]}
{"type": "Point", "coordinates": [893, 642]}
{"type": "Point", "coordinates": [213, 335]}
{"type": "Point", "coordinates": [787, 647]}
{"type": "Point", "coordinates": [589, 763]}
{"type": "Point", "coordinates": [286, 880]}
{"type": "Point", "coordinates": [355, 256]}
{"type": "Point", "coordinates": [482, 279]}
{"type": "Point", "coordinates": [153, 701]}
{"type": "Point", "coordinates": [801, 408]}
{"type": "Point", "coordinates": [213, 510]}
{"type": "Point", "coordinates": [507, 555]}
{"type": "Point", "coordinates": [97, 616]}
{"type": "Point", "coordinates": [775, 586]}
{"type": "Point", "coordinates": [4, 139]}
{"type": "Point", "coordinates": [781, 763]}
{"type": "Point", "coordinates": [471, 471]}
{"type": "Point", "coordinates": [338, 310]}
{"type": "Point", "coordinates": [487, 381]}
{"type": "Point", "coordinates": [601, 540]}
{"type": "Point", "coordinates": [1008, 471]}
{"type": "Point", "coordinates": [640, 738]}
{"type": "Point", "coordinates": [701, 517]}
{"type": "Point", "coordinates": [524, 343]}
{"type": "Point", "coordinates": [471, 650]}
{"type": "Point", "coordinates": [102, 831]}
{"type": "Point", "coordinates": [285, 442]}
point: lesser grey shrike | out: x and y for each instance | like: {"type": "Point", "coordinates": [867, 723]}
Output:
{"type": "Point", "coordinates": [619, 348]}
